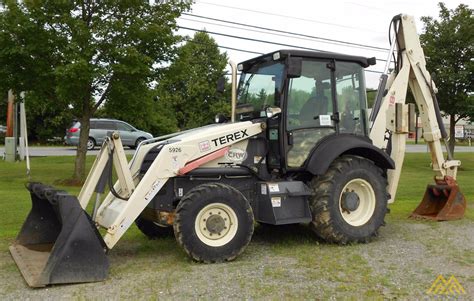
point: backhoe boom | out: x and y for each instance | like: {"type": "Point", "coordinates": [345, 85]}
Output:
{"type": "Point", "coordinates": [395, 117]}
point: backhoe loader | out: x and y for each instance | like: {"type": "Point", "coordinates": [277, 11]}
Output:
{"type": "Point", "coordinates": [300, 148]}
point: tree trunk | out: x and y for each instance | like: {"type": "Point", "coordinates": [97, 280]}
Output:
{"type": "Point", "coordinates": [80, 163]}
{"type": "Point", "coordinates": [452, 138]}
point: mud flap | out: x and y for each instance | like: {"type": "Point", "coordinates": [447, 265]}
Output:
{"type": "Point", "coordinates": [441, 202]}
{"type": "Point", "coordinates": [58, 242]}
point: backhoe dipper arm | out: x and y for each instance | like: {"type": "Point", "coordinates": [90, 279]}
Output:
{"type": "Point", "coordinates": [396, 118]}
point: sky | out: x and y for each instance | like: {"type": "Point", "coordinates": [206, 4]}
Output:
{"type": "Point", "coordinates": [361, 22]}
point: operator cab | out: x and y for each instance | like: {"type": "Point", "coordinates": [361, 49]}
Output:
{"type": "Point", "coordinates": [319, 95]}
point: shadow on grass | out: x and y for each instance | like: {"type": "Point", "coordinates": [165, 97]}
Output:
{"type": "Point", "coordinates": [136, 244]}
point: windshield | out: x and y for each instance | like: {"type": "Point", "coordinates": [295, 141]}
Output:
{"type": "Point", "coordinates": [259, 87]}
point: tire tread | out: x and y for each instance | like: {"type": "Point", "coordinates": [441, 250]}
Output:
{"type": "Point", "coordinates": [184, 206]}
{"type": "Point", "coordinates": [323, 223]}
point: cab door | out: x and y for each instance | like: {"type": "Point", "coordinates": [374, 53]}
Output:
{"type": "Point", "coordinates": [309, 110]}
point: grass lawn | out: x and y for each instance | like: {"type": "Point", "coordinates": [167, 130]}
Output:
{"type": "Point", "coordinates": [15, 200]}
{"type": "Point", "coordinates": [458, 142]}
{"type": "Point", "coordinates": [276, 264]}
{"type": "Point", "coordinates": [417, 173]}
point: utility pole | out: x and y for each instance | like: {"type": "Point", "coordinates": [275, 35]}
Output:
{"type": "Point", "coordinates": [11, 101]}
{"type": "Point", "coordinates": [10, 138]}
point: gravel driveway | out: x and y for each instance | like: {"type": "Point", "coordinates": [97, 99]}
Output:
{"type": "Point", "coordinates": [281, 262]}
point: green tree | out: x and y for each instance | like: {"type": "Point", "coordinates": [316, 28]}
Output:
{"type": "Point", "coordinates": [81, 54]}
{"type": "Point", "coordinates": [449, 47]}
{"type": "Point", "coordinates": [143, 112]}
{"type": "Point", "coordinates": [189, 84]}
{"type": "Point", "coordinates": [371, 97]}
{"type": "Point", "coordinates": [45, 121]}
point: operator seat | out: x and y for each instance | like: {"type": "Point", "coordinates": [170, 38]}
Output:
{"type": "Point", "coordinates": [311, 110]}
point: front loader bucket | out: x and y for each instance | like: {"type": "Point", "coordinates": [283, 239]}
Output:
{"type": "Point", "coordinates": [58, 242]}
{"type": "Point", "coordinates": [442, 203]}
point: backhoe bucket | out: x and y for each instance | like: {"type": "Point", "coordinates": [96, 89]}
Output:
{"type": "Point", "coordinates": [58, 242]}
{"type": "Point", "coordinates": [442, 202]}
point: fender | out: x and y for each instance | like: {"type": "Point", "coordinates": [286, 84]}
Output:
{"type": "Point", "coordinates": [333, 146]}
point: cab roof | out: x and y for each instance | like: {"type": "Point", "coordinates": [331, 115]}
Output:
{"type": "Point", "coordinates": [363, 61]}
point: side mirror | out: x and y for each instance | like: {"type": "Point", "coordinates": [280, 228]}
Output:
{"type": "Point", "coordinates": [221, 84]}
{"type": "Point", "coordinates": [294, 67]}
{"type": "Point", "coordinates": [272, 111]}
{"type": "Point", "coordinates": [220, 118]}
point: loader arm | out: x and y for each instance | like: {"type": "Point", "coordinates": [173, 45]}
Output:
{"type": "Point", "coordinates": [395, 118]}
{"type": "Point", "coordinates": [177, 156]}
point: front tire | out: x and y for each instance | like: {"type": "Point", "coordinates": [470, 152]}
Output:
{"type": "Point", "coordinates": [349, 201]}
{"type": "Point", "coordinates": [214, 223]}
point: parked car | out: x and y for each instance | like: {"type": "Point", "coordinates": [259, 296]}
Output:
{"type": "Point", "coordinates": [130, 136]}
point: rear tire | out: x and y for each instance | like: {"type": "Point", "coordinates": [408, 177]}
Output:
{"type": "Point", "coordinates": [90, 143]}
{"type": "Point", "coordinates": [349, 201]}
{"type": "Point", "coordinates": [214, 223]}
{"type": "Point", "coordinates": [153, 230]}
{"type": "Point", "coordinates": [137, 142]}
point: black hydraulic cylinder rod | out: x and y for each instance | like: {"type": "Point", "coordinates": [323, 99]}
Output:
{"type": "Point", "coordinates": [442, 129]}
{"type": "Point", "coordinates": [378, 98]}
{"type": "Point", "coordinates": [381, 90]}
{"type": "Point", "coordinates": [439, 119]}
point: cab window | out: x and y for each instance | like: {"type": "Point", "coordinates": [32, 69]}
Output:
{"type": "Point", "coordinates": [310, 98]}
{"type": "Point", "coordinates": [351, 98]}
{"type": "Point", "coordinates": [259, 88]}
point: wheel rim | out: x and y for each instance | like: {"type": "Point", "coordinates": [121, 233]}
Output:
{"type": "Point", "coordinates": [90, 144]}
{"type": "Point", "coordinates": [160, 225]}
{"type": "Point", "coordinates": [216, 224]}
{"type": "Point", "coordinates": [365, 205]}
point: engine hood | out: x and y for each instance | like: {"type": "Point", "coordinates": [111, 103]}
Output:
{"type": "Point", "coordinates": [211, 128]}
